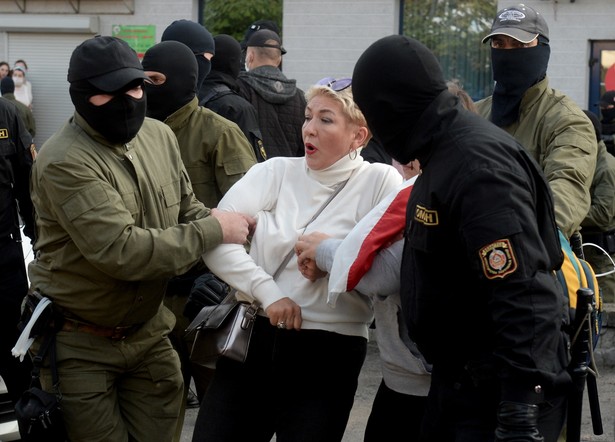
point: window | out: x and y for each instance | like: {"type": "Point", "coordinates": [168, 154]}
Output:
{"type": "Point", "coordinates": [453, 30]}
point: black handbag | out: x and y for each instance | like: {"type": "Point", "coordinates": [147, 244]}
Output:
{"type": "Point", "coordinates": [222, 330]}
{"type": "Point", "coordinates": [38, 412]}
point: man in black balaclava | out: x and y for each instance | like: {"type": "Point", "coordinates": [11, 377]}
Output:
{"type": "Point", "coordinates": [116, 217]}
{"type": "Point", "coordinates": [215, 151]}
{"type": "Point", "coordinates": [483, 203]}
{"type": "Point", "coordinates": [549, 124]}
{"type": "Point", "coordinates": [221, 93]}
{"type": "Point", "coordinates": [216, 155]}
{"type": "Point", "coordinates": [607, 110]}
{"type": "Point", "coordinates": [104, 68]}
{"type": "Point", "coordinates": [199, 40]}
{"type": "Point", "coordinates": [174, 83]}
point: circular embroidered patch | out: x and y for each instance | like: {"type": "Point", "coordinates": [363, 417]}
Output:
{"type": "Point", "coordinates": [498, 259]}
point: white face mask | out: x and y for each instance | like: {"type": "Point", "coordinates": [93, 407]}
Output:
{"type": "Point", "coordinates": [18, 81]}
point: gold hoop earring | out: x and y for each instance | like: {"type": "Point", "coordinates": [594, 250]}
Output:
{"type": "Point", "coordinates": [355, 154]}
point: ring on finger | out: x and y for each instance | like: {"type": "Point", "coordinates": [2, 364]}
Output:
{"type": "Point", "coordinates": [281, 325]}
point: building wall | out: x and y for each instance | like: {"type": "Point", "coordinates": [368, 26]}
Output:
{"type": "Point", "coordinates": [572, 25]}
{"type": "Point", "coordinates": [325, 38]}
{"type": "Point", "coordinates": [46, 39]}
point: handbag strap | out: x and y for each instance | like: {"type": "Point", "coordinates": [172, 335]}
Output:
{"type": "Point", "coordinates": [325, 204]}
{"type": "Point", "coordinates": [48, 345]}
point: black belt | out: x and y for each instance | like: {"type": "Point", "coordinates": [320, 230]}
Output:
{"type": "Point", "coordinates": [114, 333]}
{"type": "Point", "coordinates": [606, 240]}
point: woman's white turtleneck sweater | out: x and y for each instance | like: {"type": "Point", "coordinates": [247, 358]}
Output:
{"type": "Point", "coordinates": [283, 194]}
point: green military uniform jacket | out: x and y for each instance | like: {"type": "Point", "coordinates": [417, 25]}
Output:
{"type": "Point", "coordinates": [601, 215]}
{"type": "Point", "coordinates": [114, 222]}
{"type": "Point", "coordinates": [599, 225]}
{"type": "Point", "coordinates": [562, 140]}
{"type": "Point", "coordinates": [215, 150]}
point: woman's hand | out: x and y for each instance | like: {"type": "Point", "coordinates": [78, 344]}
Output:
{"type": "Point", "coordinates": [305, 248]}
{"type": "Point", "coordinates": [285, 314]}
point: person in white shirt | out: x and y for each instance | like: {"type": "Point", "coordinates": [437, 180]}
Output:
{"type": "Point", "coordinates": [23, 92]}
{"type": "Point", "coordinates": [302, 368]}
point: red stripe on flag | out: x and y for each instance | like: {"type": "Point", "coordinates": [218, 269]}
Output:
{"type": "Point", "coordinates": [390, 224]}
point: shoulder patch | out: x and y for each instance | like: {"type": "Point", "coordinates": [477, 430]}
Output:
{"type": "Point", "coordinates": [498, 259]}
{"type": "Point", "coordinates": [4, 133]}
{"type": "Point", "coordinates": [426, 216]}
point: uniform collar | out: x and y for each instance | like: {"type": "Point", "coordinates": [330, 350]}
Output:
{"type": "Point", "coordinates": [180, 117]}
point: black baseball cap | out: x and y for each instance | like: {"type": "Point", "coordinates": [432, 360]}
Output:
{"type": "Point", "coordinates": [260, 38]}
{"type": "Point", "coordinates": [519, 22]}
{"type": "Point", "coordinates": [108, 63]}
{"type": "Point", "coordinates": [257, 26]}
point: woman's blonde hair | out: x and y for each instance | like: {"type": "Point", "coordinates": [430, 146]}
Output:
{"type": "Point", "coordinates": [344, 97]}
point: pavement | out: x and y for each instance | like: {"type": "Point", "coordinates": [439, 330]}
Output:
{"type": "Point", "coordinates": [369, 380]}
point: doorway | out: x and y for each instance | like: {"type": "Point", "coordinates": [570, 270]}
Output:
{"type": "Point", "coordinates": [601, 72]}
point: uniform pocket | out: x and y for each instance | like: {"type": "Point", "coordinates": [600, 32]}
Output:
{"type": "Point", "coordinates": [6, 146]}
{"type": "Point", "coordinates": [479, 233]}
{"type": "Point", "coordinates": [84, 201]}
{"type": "Point", "coordinates": [170, 193]}
{"type": "Point", "coordinates": [130, 201]}
{"type": "Point", "coordinates": [81, 383]}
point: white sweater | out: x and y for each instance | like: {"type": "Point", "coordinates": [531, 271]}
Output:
{"type": "Point", "coordinates": [283, 195]}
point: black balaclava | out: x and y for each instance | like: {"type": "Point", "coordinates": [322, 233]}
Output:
{"type": "Point", "coordinates": [228, 57]}
{"type": "Point", "coordinates": [515, 71]}
{"type": "Point", "coordinates": [393, 82]}
{"type": "Point", "coordinates": [608, 115]}
{"type": "Point", "coordinates": [176, 61]}
{"type": "Point", "coordinates": [197, 38]}
{"type": "Point", "coordinates": [595, 122]}
{"type": "Point", "coordinates": [107, 65]}
{"type": "Point", "coordinates": [118, 120]}
{"type": "Point", "coordinates": [607, 99]}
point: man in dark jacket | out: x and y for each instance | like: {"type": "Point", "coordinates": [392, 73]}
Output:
{"type": "Point", "coordinates": [220, 93]}
{"type": "Point", "coordinates": [481, 247]}
{"type": "Point", "coordinates": [15, 165]}
{"type": "Point", "coordinates": [7, 89]}
{"type": "Point", "coordinates": [254, 27]}
{"type": "Point", "coordinates": [280, 104]}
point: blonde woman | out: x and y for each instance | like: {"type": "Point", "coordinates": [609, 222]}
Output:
{"type": "Point", "coordinates": [300, 376]}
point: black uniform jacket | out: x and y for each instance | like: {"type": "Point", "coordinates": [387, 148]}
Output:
{"type": "Point", "coordinates": [477, 284]}
{"type": "Point", "coordinates": [15, 165]}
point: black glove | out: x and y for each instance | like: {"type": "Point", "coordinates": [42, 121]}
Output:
{"type": "Point", "coordinates": [207, 290]}
{"type": "Point", "coordinates": [517, 423]}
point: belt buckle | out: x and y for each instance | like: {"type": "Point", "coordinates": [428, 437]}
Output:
{"type": "Point", "coordinates": [120, 333]}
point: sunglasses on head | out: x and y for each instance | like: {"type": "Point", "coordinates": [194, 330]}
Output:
{"type": "Point", "coordinates": [337, 85]}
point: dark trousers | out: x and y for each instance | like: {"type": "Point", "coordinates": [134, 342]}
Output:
{"type": "Point", "coordinates": [13, 288]}
{"type": "Point", "coordinates": [395, 416]}
{"type": "Point", "coordinates": [299, 385]}
{"type": "Point", "coordinates": [463, 412]}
